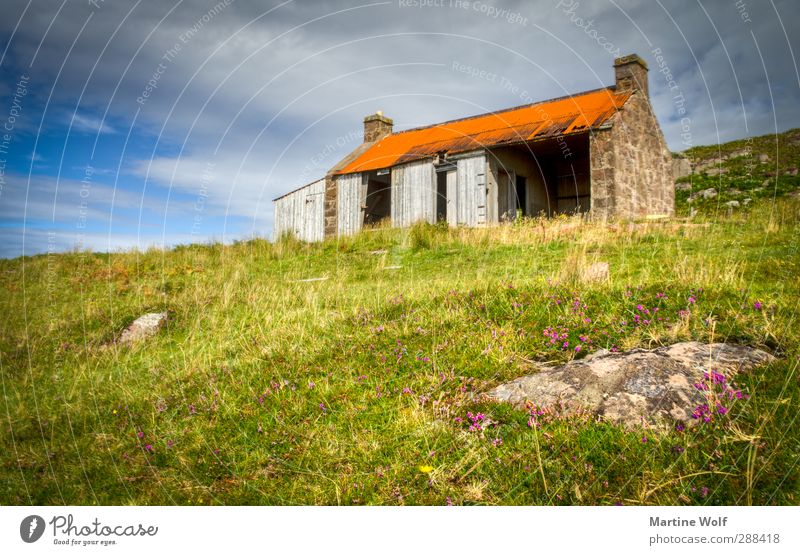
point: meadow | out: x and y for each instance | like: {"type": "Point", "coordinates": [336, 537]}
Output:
{"type": "Point", "coordinates": [350, 372]}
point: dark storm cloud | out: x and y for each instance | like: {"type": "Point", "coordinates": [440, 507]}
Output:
{"type": "Point", "coordinates": [271, 94]}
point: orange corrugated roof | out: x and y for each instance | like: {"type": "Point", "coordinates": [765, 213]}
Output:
{"type": "Point", "coordinates": [562, 116]}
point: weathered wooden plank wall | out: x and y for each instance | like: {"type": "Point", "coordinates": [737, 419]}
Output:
{"type": "Point", "coordinates": [351, 200]}
{"type": "Point", "coordinates": [301, 213]}
{"type": "Point", "coordinates": [413, 193]}
{"type": "Point", "coordinates": [471, 191]}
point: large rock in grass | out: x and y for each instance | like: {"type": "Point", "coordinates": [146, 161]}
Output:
{"type": "Point", "coordinates": [633, 388]}
{"type": "Point", "coordinates": [143, 327]}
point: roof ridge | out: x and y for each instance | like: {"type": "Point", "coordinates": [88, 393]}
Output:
{"type": "Point", "coordinates": [495, 112]}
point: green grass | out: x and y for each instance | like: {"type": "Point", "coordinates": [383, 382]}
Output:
{"type": "Point", "coordinates": [393, 345]}
{"type": "Point", "coordinates": [266, 389]}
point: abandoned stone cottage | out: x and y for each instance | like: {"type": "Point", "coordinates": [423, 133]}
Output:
{"type": "Point", "coordinates": [599, 152]}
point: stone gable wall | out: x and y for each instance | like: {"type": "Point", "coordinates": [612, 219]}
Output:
{"type": "Point", "coordinates": [631, 166]}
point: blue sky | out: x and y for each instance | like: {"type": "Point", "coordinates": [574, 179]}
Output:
{"type": "Point", "coordinates": [132, 124]}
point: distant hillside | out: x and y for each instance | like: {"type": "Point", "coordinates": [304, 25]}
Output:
{"type": "Point", "coordinates": [733, 176]}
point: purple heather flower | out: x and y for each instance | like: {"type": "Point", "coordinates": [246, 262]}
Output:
{"type": "Point", "coordinates": [757, 305]}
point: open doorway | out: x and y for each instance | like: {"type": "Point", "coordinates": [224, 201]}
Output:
{"type": "Point", "coordinates": [522, 196]}
{"type": "Point", "coordinates": [378, 205]}
{"type": "Point", "coordinates": [441, 197]}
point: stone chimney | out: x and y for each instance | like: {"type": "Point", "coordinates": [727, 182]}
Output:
{"type": "Point", "coordinates": [630, 72]}
{"type": "Point", "coordinates": [376, 127]}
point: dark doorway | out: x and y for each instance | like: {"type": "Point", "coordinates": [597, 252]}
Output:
{"type": "Point", "coordinates": [522, 196]}
{"type": "Point", "coordinates": [441, 196]}
{"type": "Point", "coordinates": [378, 204]}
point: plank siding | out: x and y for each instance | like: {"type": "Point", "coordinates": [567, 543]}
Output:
{"type": "Point", "coordinates": [413, 193]}
{"type": "Point", "coordinates": [471, 191]}
{"type": "Point", "coordinates": [301, 213]}
{"type": "Point", "coordinates": [351, 201]}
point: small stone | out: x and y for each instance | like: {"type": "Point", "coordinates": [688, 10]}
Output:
{"type": "Point", "coordinates": [708, 193]}
{"type": "Point", "coordinates": [747, 201]}
{"type": "Point", "coordinates": [763, 158]}
{"type": "Point", "coordinates": [733, 192]}
{"type": "Point", "coordinates": [599, 271]}
{"type": "Point", "coordinates": [143, 327]}
{"type": "Point", "coordinates": [683, 186]}
{"type": "Point", "coordinates": [732, 204]}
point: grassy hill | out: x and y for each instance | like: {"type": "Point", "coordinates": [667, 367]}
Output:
{"type": "Point", "coordinates": [355, 388]}
{"type": "Point", "coordinates": [756, 168]}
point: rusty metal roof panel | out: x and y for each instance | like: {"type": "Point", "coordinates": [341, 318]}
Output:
{"type": "Point", "coordinates": [562, 116]}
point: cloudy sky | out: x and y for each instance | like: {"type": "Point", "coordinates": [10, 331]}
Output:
{"type": "Point", "coordinates": [155, 122]}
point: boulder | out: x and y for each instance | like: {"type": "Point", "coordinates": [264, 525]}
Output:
{"type": "Point", "coordinates": [639, 387]}
{"type": "Point", "coordinates": [763, 158]}
{"type": "Point", "coordinates": [705, 193]}
{"type": "Point", "coordinates": [681, 166]}
{"type": "Point", "coordinates": [595, 272]}
{"type": "Point", "coordinates": [143, 327]}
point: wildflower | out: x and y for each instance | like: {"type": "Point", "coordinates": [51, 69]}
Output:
{"type": "Point", "coordinates": [140, 435]}
{"type": "Point", "coordinates": [704, 491]}
{"type": "Point", "coordinates": [448, 501]}
{"type": "Point", "coordinates": [192, 409]}
{"type": "Point", "coordinates": [311, 385]}
{"type": "Point", "coordinates": [170, 443]}
{"type": "Point", "coordinates": [757, 305]}
{"type": "Point", "coordinates": [644, 439]}
{"type": "Point", "coordinates": [497, 442]}
{"type": "Point", "coordinates": [425, 468]}
{"type": "Point", "coordinates": [577, 348]}
{"type": "Point", "coordinates": [679, 427]}
{"type": "Point", "coordinates": [322, 407]}
{"type": "Point", "coordinates": [691, 299]}
{"type": "Point", "coordinates": [148, 448]}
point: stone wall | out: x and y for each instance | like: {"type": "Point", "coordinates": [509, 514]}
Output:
{"type": "Point", "coordinates": [631, 166]}
{"type": "Point", "coordinates": [602, 161]}
{"type": "Point", "coordinates": [331, 212]}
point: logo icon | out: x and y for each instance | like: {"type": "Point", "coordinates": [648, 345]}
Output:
{"type": "Point", "coordinates": [31, 528]}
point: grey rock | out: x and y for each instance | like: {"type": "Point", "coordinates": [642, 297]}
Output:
{"type": "Point", "coordinates": [747, 201]}
{"type": "Point", "coordinates": [683, 186]}
{"type": "Point", "coordinates": [732, 204]}
{"type": "Point", "coordinates": [705, 193]}
{"type": "Point", "coordinates": [143, 327]}
{"type": "Point", "coordinates": [716, 171]}
{"type": "Point", "coordinates": [733, 192]}
{"type": "Point", "coordinates": [681, 167]}
{"type": "Point", "coordinates": [763, 158]}
{"type": "Point", "coordinates": [595, 272]}
{"type": "Point", "coordinates": [634, 388]}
